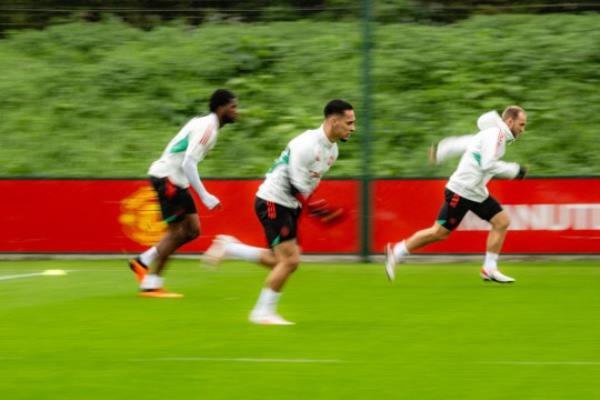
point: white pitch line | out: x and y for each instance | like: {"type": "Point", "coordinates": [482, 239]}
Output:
{"type": "Point", "coordinates": [242, 360]}
{"type": "Point", "coordinates": [9, 277]}
{"type": "Point", "coordinates": [20, 276]}
{"type": "Point", "coordinates": [576, 363]}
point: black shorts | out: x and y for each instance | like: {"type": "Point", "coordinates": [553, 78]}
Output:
{"type": "Point", "coordinates": [455, 207]}
{"type": "Point", "coordinates": [175, 202]}
{"type": "Point", "coordinates": [279, 223]}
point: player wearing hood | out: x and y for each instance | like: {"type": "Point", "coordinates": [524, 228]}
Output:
{"type": "Point", "coordinates": [466, 189]}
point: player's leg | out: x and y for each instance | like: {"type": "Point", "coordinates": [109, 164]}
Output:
{"type": "Point", "coordinates": [491, 211]}
{"type": "Point", "coordinates": [265, 310]}
{"type": "Point", "coordinates": [500, 223]}
{"type": "Point", "coordinates": [395, 253]}
{"type": "Point", "coordinates": [280, 226]}
{"type": "Point", "coordinates": [422, 238]}
{"type": "Point", "coordinates": [225, 247]}
{"type": "Point", "coordinates": [178, 234]}
{"type": "Point", "coordinates": [169, 209]}
{"type": "Point", "coordinates": [288, 259]}
{"type": "Point", "coordinates": [179, 211]}
{"type": "Point", "coordinates": [450, 215]}
{"type": "Point", "coordinates": [140, 264]}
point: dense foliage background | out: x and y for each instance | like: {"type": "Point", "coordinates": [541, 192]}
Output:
{"type": "Point", "coordinates": [103, 98]}
{"type": "Point", "coordinates": [148, 13]}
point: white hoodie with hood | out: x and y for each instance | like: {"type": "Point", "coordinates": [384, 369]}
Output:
{"type": "Point", "coordinates": [481, 154]}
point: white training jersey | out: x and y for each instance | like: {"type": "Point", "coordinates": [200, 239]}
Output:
{"type": "Point", "coordinates": [194, 140]}
{"type": "Point", "coordinates": [305, 160]}
{"type": "Point", "coordinates": [481, 154]}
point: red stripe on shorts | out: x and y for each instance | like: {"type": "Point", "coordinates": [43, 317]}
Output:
{"type": "Point", "coordinates": [271, 210]}
{"type": "Point", "coordinates": [454, 200]}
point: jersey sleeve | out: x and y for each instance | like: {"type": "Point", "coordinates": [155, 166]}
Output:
{"type": "Point", "coordinates": [299, 163]}
{"type": "Point", "coordinates": [493, 143]}
{"type": "Point", "coordinates": [453, 146]}
{"type": "Point", "coordinates": [201, 133]}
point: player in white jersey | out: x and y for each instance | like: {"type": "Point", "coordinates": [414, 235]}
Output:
{"type": "Point", "coordinates": [171, 176]}
{"type": "Point", "coordinates": [287, 190]}
{"type": "Point", "coordinates": [466, 190]}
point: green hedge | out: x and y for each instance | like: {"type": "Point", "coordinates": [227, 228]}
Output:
{"type": "Point", "coordinates": [103, 99]}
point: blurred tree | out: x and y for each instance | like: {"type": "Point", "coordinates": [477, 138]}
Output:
{"type": "Point", "coordinates": [18, 14]}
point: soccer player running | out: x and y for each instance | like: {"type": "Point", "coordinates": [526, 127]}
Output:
{"type": "Point", "coordinates": [466, 190]}
{"type": "Point", "coordinates": [286, 190]}
{"type": "Point", "coordinates": [171, 175]}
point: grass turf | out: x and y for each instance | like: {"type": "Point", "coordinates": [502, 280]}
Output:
{"type": "Point", "coordinates": [437, 332]}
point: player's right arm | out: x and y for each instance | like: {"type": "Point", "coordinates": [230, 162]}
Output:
{"type": "Point", "coordinates": [303, 183]}
{"type": "Point", "coordinates": [453, 146]}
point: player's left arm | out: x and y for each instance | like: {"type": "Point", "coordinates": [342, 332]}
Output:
{"type": "Point", "coordinates": [198, 148]}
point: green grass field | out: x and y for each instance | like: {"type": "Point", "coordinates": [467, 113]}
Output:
{"type": "Point", "coordinates": [438, 332]}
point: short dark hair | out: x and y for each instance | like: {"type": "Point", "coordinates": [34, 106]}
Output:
{"type": "Point", "coordinates": [336, 107]}
{"type": "Point", "coordinates": [220, 97]}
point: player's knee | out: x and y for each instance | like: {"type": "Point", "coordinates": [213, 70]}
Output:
{"type": "Point", "coordinates": [193, 233]}
{"type": "Point", "coordinates": [440, 233]}
{"type": "Point", "coordinates": [189, 233]}
{"type": "Point", "coordinates": [501, 223]}
{"type": "Point", "coordinates": [292, 263]}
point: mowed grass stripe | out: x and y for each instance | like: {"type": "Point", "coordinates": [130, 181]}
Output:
{"type": "Point", "coordinates": [437, 331]}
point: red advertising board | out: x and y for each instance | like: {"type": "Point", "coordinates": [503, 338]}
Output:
{"type": "Point", "coordinates": [112, 216]}
{"type": "Point", "coordinates": [548, 215]}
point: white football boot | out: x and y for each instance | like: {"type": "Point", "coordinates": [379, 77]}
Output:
{"type": "Point", "coordinates": [216, 252]}
{"type": "Point", "coordinates": [390, 262]}
{"type": "Point", "coordinates": [260, 317]}
{"type": "Point", "coordinates": [495, 275]}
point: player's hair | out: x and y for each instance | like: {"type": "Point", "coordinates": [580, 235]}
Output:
{"type": "Point", "coordinates": [220, 97]}
{"type": "Point", "coordinates": [336, 107]}
{"type": "Point", "coordinates": [512, 112]}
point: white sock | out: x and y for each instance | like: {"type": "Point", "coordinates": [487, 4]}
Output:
{"type": "Point", "coordinates": [149, 256]}
{"type": "Point", "coordinates": [400, 250]}
{"type": "Point", "coordinates": [267, 301]}
{"type": "Point", "coordinates": [491, 261]}
{"type": "Point", "coordinates": [152, 281]}
{"type": "Point", "coordinates": [240, 251]}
